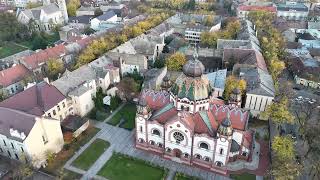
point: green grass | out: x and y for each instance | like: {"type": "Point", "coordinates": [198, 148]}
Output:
{"type": "Point", "coordinates": [9, 48]}
{"type": "Point", "coordinates": [128, 112]}
{"type": "Point", "coordinates": [244, 176]}
{"type": "Point", "coordinates": [91, 154]}
{"type": "Point", "coordinates": [120, 167]}
{"type": "Point", "coordinates": [67, 175]}
{"type": "Point", "coordinates": [66, 153]}
{"type": "Point", "coordinates": [180, 176]}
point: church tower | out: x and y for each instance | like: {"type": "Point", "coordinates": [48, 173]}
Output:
{"type": "Point", "coordinates": [142, 116]}
{"type": "Point", "coordinates": [63, 8]}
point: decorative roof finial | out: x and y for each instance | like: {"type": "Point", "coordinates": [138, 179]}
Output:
{"type": "Point", "coordinates": [195, 53]}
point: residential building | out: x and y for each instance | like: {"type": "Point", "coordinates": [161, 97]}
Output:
{"type": "Point", "coordinates": [9, 61]}
{"type": "Point", "coordinates": [187, 125]}
{"type": "Point", "coordinates": [147, 45]}
{"type": "Point", "coordinates": [153, 78]}
{"type": "Point", "coordinates": [42, 100]}
{"type": "Point", "coordinates": [12, 80]}
{"type": "Point", "coordinates": [28, 137]}
{"type": "Point", "coordinates": [244, 10]}
{"type": "Point", "coordinates": [37, 61]}
{"type": "Point", "coordinates": [80, 86]}
{"type": "Point", "coordinates": [46, 17]}
{"type": "Point", "coordinates": [292, 10]}
{"type": "Point", "coordinates": [108, 19]}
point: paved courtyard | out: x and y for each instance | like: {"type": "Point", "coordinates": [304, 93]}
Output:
{"type": "Point", "coordinates": [122, 141]}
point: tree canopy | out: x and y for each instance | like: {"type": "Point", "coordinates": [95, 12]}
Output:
{"type": "Point", "coordinates": [279, 112]}
{"type": "Point", "coordinates": [176, 61]}
{"type": "Point", "coordinates": [72, 7]}
{"type": "Point", "coordinates": [232, 83]}
{"type": "Point", "coordinates": [11, 29]}
{"type": "Point", "coordinates": [54, 67]}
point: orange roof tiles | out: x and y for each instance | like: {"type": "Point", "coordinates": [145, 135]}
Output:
{"type": "Point", "coordinates": [13, 75]}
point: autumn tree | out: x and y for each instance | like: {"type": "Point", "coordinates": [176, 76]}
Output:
{"type": "Point", "coordinates": [54, 68]}
{"type": "Point", "coordinates": [72, 7]}
{"type": "Point", "coordinates": [176, 61]}
{"type": "Point", "coordinates": [284, 165]}
{"type": "Point", "coordinates": [279, 112]}
{"type": "Point", "coordinates": [128, 88]}
{"type": "Point", "coordinates": [233, 83]}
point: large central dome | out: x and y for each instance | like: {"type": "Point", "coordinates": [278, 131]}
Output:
{"type": "Point", "coordinates": [193, 68]}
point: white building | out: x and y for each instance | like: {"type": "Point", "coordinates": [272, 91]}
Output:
{"type": "Point", "coordinates": [107, 18]}
{"type": "Point", "coordinates": [45, 17]}
{"type": "Point", "coordinates": [292, 11]}
{"type": "Point", "coordinates": [189, 126]}
{"type": "Point", "coordinates": [80, 86]}
{"type": "Point", "coordinates": [27, 137]}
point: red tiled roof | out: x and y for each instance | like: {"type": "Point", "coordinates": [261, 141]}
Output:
{"type": "Point", "coordinates": [35, 100]}
{"type": "Point", "coordinates": [154, 99]}
{"type": "Point", "coordinates": [84, 42]}
{"type": "Point", "coordinates": [257, 8]}
{"type": "Point", "coordinates": [164, 117]}
{"type": "Point", "coordinates": [33, 61]}
{"type": "Point", "coordinates": [14, 74]}
{"type": "Point", "coordinates": [237, 116]}
{"type": "Point", "coordinates": [200, 126]}
{"type": "Point", "coordinates": [247, 138]}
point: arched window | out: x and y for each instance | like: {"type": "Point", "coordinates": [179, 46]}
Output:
{"type": "Point", "coordinates": [207, 159]}
{"type": "Point", "coordinates": [204, 145]}
{"type": "Point", "coordinates": [141, 140]}
{"type": "Point", "coordinates": [178, 137]}
{"type": "Point", "coordinates": [151, 142]}
{"type": "Point", "coordinates": [160, 145]}
{"type": "Point", "coordinates": [218, 163]}
{"type": "Point", "coordinates": [244, 154]}
{"type": "Point", "coordinates": [186, 155]}
{"type": "Point", "coordinates": [156, 132]}
{"type": "Point", "coordinates": [168, 150]}
{"type": "Point", "coordinates": [140, 128]}
{"type": "Point", "coordinates": [197, 156]}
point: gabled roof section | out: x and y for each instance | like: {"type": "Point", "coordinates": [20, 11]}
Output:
{"type": "Point", "coordinates": [239, 118]}
{"type": "Point", "coordinates": [15, 120]}
{"type": "Point", "coordinates": [155, 99]}
{"type": "Point", "coordinates": [35, 100]}
{"type": "Point", "coordinates": [13, 75]}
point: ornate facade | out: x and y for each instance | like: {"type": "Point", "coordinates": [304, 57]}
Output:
{"type": "Point", "coordinates": [185, 123]}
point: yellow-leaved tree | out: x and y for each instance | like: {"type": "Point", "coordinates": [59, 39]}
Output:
{"type": "Point", "coordinates": [176, 61]}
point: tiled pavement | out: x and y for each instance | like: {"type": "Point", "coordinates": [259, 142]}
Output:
{"type": "Point", "coordinates": [122, 141]}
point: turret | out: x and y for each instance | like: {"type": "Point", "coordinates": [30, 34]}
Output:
{"type": "Point", "coordinates": [225, 128]}
{"type": "Point", "coordinates": [235, 98]}
{"type": "Point", "coordinates": [166, 83]}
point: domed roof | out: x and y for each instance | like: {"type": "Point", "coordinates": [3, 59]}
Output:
{"type": "Point", "coordinates": [225, 128]}
{"type": "Point", "coordinates": [193, 68]}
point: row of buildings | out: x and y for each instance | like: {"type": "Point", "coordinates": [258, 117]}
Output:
{"type": "Point", "coordinates": [289, 10]}
{"type": "Point", "coordinates": [35, 113]}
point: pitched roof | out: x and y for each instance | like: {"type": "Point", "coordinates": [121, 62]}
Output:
{"type": "Point", "coordinates": [257, 8]}
{"type": "Point", "coordinates": [245, 56]}
{"type": "Point", "coordinates": [16, 120]}
{"type": "Point", "coordinates": [35, 13]}
{"type": "Point", "coordinates": [13, 75]}
{"type": "Point", "coordinates": [155, 99]}
{"type": "Point", "coordinates": [109, 14]}
{"type": "Point", "coordinates": [35, 100]}
{"type": "Point", "coordinates": [72, 82]}
{"type": "Point", "coordinates": [37, 59]}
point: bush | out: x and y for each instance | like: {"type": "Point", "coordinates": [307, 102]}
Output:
{"type": "Point", "coordinates": [257, 136]}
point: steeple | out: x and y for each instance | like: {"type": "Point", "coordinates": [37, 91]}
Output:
{"type": "Point", "coordinates": [193, 68]}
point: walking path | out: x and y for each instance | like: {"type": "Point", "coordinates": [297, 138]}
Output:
{"type": "Point", "coordinates": [122, 141]}
{"type": "Point", "coordinates": [171, 175]}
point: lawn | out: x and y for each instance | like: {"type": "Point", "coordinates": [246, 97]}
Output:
{"type": "Point", "coordinates": [128, 112]}
{"type": "Point", "coordinates": [9, 48]}
{"type": "Point", "coordinates": [69, 150]}
{"type": "Point", "coordinates": [120, 167]}
{"type": "Point", "coordinates": [244, 176]}
{"type": "Point", "coordinates": [67, 175]}
{"type": "Point", "coordinates": [91, 154]}
{"type": "Point", "coordinates": [180, 176]}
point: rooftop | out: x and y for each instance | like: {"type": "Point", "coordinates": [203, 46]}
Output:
{"type": "Point", "coordinates": [217, 79]}
{"type": "Point", "coordinates": [35, 100]}
{"type": "Point", "coordinates": [292, 7]}
{"type": "Point", "coordinates": [13, 75]}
